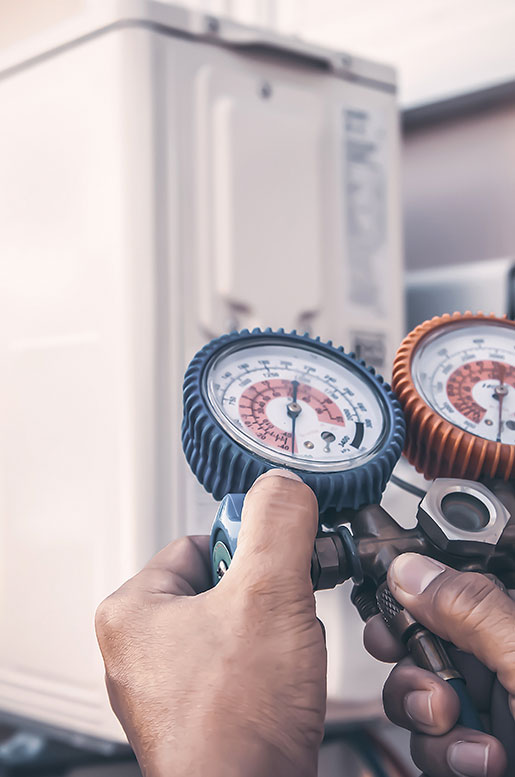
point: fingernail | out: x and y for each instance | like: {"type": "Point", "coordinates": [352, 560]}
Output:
{"type": "Point", "coordinates": [468, 759]}
{"type": "Point", "coordinates": [282, 473]}
{"type": "Point", "coordinates": [413, 572]}
{"type": "Point", "coordinates": [419, 707]}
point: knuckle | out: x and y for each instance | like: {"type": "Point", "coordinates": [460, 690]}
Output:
{"type": "Point", "coordinates": [474, 609]}
{"type": "Point", "coordinates": [506, 671]}
{"type": "Point", "coordinates": [390, 688]}
{"type": "Point", "coordinates": [399, 679]}
{"type": "Point", "coordinates": [467, 596]}
{"type": "Point", "coordinates": [505, 658]}
{"type": "Point", "coordinates": [110, 616]}
{"type": "Point", "coordinates": [184, 545]}
{"type": "Point", "coordinates": [161, 580]}
{"type": "Point", "coordinates": [284, 490]}
{"type": "Point", "coordinates": [103, 615]}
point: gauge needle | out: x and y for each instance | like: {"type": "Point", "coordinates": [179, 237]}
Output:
{"type": "Point", "coordinates": [500, 392]}
{"type": "Point", "coordinates": [293, 409]}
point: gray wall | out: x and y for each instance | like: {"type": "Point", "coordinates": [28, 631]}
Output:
{"type": "Point", "coordinates": [459, 180]}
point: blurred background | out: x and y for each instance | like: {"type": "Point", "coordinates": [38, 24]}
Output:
{"type": "Point", "coordinates": [171, 172]}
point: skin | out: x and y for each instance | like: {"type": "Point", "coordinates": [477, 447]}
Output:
{"type": "Point", "coordinates": [243, 663]}
{"type": "Point", "coordinates": [472, 613]}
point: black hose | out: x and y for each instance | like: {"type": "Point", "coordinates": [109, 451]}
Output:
{"type": "Point", "coordinates": [409, 487]}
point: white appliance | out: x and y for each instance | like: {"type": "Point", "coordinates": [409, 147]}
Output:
{"type": "Point", "coordinates": [487, 286]}
{"type": "Point", "coordinates": [165, 176]}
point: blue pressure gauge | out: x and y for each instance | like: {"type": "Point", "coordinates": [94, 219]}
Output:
{"type": "Point", "coordinates": [262, 399]}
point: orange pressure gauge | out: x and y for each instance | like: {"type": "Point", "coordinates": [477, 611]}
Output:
{"type": "Point", "coordinates": [455, 378]}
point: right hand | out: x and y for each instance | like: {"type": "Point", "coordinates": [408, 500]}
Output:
{"type": "Point", "coordinates": [468, 610]}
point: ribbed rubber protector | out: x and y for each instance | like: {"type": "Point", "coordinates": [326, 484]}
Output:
{"type": "Point", "coordinates": [223, 466]}
{"type": "Point", "coordinates": [434, 446]}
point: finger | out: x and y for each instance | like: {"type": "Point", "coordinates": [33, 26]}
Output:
{"type": "Point", "coordinates": [380, 642]}
{"type": "Point", "coordinates": [419, 700]}
{"type": "Point", "coordinates": [502, 723]}
{"type": "Point", "coordinates": [465, 608]}
{"type": "Point", "coordinates": [180, 569]}
{"type": "Point", "coordinates": [478, 677]}
{"type": "Point", "coordinates": [322, 628]}
{"type": "Point", "coordinates": [278, 529]}
{"type": "Point", "coordinates": [460, 752]}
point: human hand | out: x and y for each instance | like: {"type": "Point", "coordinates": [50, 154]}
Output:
{"type": "Point", "coordinates": [478, 618]}
{"type": "Point", "coordinates": [231, 680]}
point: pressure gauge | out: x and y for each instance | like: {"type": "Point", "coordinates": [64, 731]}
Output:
{"type": "Point", "coordinates": [256, 400]}
{"type": "Point", "coordinates": [455, 378]}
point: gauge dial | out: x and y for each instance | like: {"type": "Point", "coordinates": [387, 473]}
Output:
{"type": "Point", "coordinates": [295, 406]}
{"type": "Point", "coordinates": [455, 379]}
{"type": "Point", "coordinates": [467, 374]}
{"type": "Point", "coordinates": [257, 400]}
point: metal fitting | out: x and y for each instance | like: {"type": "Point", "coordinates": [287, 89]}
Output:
{"type": "Point", "coordinates": [462, 517]}
{"type": "Point", "coordinates": [363, 597]}
{"type": "Point", "coordinates": [335, 559]}
{"type": "Point", "coordinates": [327, 562]}
{"type": "Point", "coordinates": [426, 648]}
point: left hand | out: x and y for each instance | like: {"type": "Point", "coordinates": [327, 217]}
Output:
{"type": "Point", "coordinates": [228, 681]}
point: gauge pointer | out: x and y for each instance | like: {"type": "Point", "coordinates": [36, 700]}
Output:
{"type": "Point", "coordinates": [500, 392]}
{"type": "Point", "coordinates": [293, 409]}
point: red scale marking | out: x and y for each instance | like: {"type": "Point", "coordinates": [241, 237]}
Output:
{"type": "Point", "coordinates": [464, 378]}
{"type": "Point", "coordinates": [254, 400]}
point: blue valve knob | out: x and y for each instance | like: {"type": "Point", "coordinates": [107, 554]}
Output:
{"type": "Point", "coordinates": [335, 558]}
{"type": "Point", "coordinates": [224, 534]}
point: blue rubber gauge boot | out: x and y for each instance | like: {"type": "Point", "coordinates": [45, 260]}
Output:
{"type": "Point", "coordinates": [263, 399]}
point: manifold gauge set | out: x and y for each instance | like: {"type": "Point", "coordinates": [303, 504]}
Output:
{"type": "Point", "coordinates": [263, 399]}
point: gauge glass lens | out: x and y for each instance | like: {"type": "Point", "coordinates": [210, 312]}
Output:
{"type": "Point", "coordinates": [296, 406]}
{"type": "Point", "coordinates": [466, 373]}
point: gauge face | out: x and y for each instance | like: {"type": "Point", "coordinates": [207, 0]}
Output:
{"type": "Point", "coordinates": [295, 406]}
{"type": "Point", "coordinates": [466, 373]}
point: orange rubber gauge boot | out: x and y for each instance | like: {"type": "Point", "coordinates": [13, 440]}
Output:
{"type": "Point", "coordinates": [455, 379]}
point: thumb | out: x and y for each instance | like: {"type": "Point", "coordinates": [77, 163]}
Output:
{"type": "Point", "coordinates": [465, 608]}
{"type": "Point", "coordinates": [278, 529]}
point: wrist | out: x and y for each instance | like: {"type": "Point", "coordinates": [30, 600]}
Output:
{"type": "Point", "coordinates": [226, 756]}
